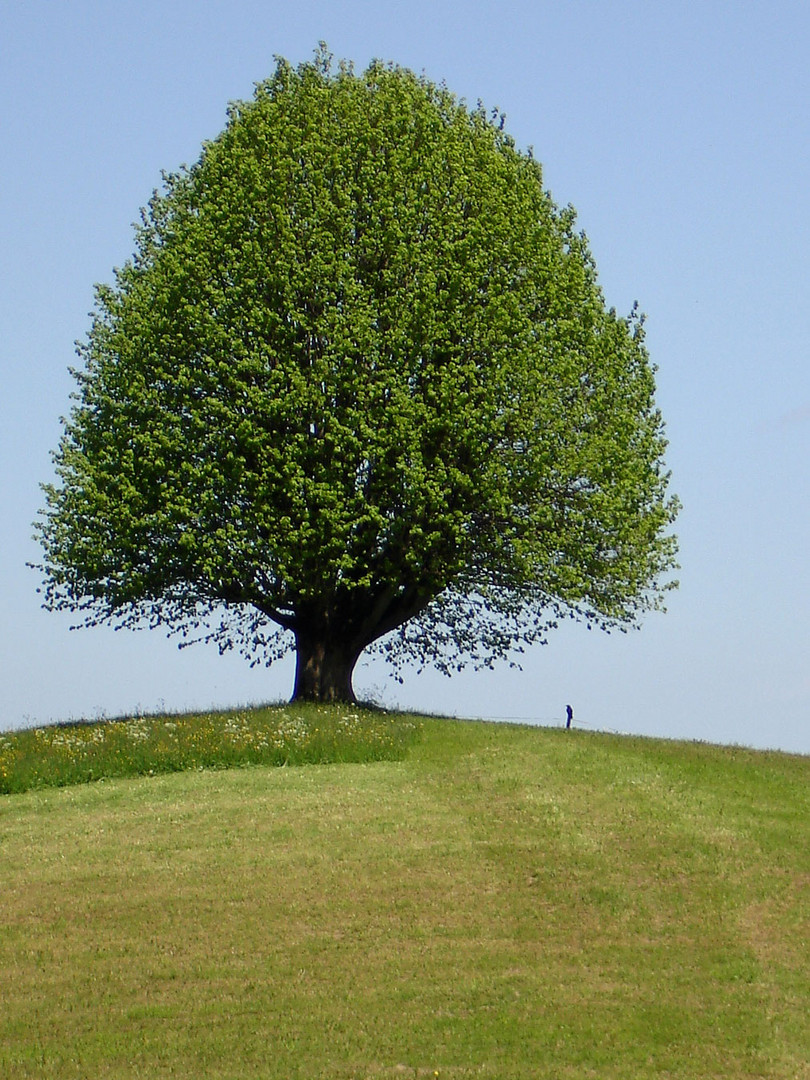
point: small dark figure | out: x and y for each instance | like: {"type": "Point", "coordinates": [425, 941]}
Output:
{"type": "Point", "coordinates": [569, 715]}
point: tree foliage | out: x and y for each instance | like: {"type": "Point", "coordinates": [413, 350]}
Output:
{"type": "Point", "coordinates": [359, 384]}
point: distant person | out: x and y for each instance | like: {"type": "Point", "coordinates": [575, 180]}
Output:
{"type": "Point", "coordinates": [569, 716]}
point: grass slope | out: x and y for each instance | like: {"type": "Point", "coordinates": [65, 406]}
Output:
{"type": "Point", "coordinates": [60, 755]}
{"type": "Point", "coordinates": [503, 903]}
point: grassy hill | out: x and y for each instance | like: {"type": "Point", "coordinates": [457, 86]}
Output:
{"type": "Point", "coordinates": [503, 902]}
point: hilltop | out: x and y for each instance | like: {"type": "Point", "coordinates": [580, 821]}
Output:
{"type": "Point", "coordinates": [502, 902]}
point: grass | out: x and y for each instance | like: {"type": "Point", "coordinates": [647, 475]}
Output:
{"type": "Point", "coordinates": [75, 753]}
{"type": "Point", "coordinates": [500, 902]}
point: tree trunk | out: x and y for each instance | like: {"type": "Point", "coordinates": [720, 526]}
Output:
{"type": "Point", "coordinates": [323, 669]}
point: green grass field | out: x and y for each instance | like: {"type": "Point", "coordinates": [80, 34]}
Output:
{"type": "Point", "coordinates": [64, 754]}
{"type": "Point", "coordinates": [499, 902]}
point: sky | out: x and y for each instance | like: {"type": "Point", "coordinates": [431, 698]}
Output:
{"type": "Point", "coordinates": [681, 134]}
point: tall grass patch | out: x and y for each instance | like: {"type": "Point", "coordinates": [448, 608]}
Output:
{"type": "Point", "coordinates": [75, 753]}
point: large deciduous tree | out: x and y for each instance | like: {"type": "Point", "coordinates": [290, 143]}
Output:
{"type": "Point", "coordinates": [359, 384]}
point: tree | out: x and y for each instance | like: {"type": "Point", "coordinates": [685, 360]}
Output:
{"type": "Point", "coordinates": [359, 385]}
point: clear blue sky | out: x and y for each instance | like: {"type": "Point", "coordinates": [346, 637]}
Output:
{"type": "Point", "coordinates": [679, 131]}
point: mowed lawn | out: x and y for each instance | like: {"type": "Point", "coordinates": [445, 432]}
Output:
{"type": "Point", "coordinates": [504, 903]}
